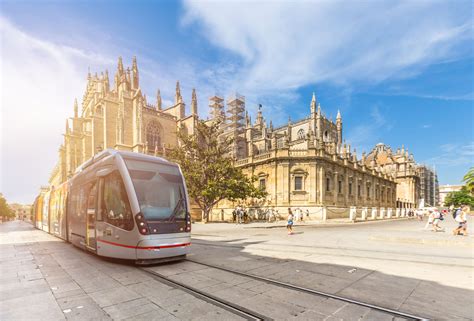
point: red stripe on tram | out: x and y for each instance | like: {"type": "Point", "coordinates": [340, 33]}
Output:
{"type": "Point", "coordinates": [145, 247]}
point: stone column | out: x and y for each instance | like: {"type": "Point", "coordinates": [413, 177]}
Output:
{"type": "Point", "coordinates": [336, 185]}
{"type": "Point", "coordinates": [397, 212]}
{"type": "Point", "coordinates": [389, 212]}
{"type": "Point", "coordinates": [382, 213]}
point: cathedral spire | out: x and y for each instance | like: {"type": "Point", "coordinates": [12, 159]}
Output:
{"type": "Point", "coordinates": [120, 66]}
{"type": "Point", "coordinates": [106, 81]}
{"type": "Point", "coordinates": [67, 126]}
{"type": "Point", "coordinates": [135, 79]}
{"type": "Point", "coordinates": [259, 114]}
{"type": "Point", "coordinates": [158, 100]}
{"type": "Point", "coordinates": [194, 108]}
{"type": "Point", "coordinates": [75, 108]}
{"type": "Point", "coordinates": [338, 117]}
{"type": "Point", "coordinates": [177, 97]}
{"type": "Point", "coordinates": [313, 103]}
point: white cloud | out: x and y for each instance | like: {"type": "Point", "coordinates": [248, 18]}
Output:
{"type": "Point", "coordinates": [39, 80]}
{"type": "Point", "coordinates": [285, 45]}
{"type": "Point", "coordinates": [453, 154]}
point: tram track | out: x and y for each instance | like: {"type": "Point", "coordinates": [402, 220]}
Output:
{"type": "Point", "coordinates": [392, 312]}
{"type": "Point", "coordinates": [219, 302]}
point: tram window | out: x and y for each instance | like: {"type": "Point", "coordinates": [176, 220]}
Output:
{"type": "Point", "coordinates": [160, 190]}
{"type": "Point", "coordinates": [116, 207]}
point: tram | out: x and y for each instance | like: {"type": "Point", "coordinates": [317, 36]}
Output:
{"type": "Point", "coordinates": [121, 205]}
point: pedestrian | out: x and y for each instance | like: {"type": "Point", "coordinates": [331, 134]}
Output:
{"type": "Point", "coordinates": [430, 219]}
{"type": "Point", "coordinates": [234, 215]}
{"type": "Point", "coordinates": [307, 213]}
{"type": "Point", "coordinates": [301, 215]}
{"type": "Point", "coordinates": [289, 222]}
{"type": "Point", "coordinates": [461, 218]}
{"type": "Point", "coordinates": [240, 215]}
{"type": "Point", "coordinates": [269, 214]}
{"type": "Point", "coordinates": [437, 217]}
{"type": "Point", "coordinates": [419, 214]}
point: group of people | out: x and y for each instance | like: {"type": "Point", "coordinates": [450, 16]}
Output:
{"type": "Point", "coordinates": [241, 215]}
{"type": "Point", "coordinates": [435, 216]}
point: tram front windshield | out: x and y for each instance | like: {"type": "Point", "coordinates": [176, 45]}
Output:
{"type": "Point", "coordinates": [160, 190]}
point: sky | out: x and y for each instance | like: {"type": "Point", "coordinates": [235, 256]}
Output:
{"type": "Point", "coordinates": [400, 72]}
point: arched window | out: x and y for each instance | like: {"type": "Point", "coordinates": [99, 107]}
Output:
{"type": "Point", "coordinates": [300, 133]}
{"type": "Point", "coordinates": [153, 139]}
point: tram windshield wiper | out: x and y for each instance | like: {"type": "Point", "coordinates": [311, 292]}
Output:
{"type": "Point", "coordinates": [176, 209]}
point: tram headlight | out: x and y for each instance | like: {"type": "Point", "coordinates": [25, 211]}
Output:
{"type": "Point", "coordinates": [142, 226]}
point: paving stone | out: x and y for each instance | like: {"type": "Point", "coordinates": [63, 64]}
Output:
{"type": "Point", "coordinates": [109, 297]}
{"type": "Point", "coordinates": [352, 312]}
{"type": "Point", "coordinates": [133, 308]}
{"type": "Point", "coordinates": [40, 306]}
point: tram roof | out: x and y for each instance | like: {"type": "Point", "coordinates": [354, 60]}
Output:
{"type": "Point", "coordinates": [109, 151]}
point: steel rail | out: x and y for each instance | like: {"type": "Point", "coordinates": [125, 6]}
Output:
{"type": "Point", "coordinates": [314, 292]}
{"type": "Point", "coordinates": [229, 306]}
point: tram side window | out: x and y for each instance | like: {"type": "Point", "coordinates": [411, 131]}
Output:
{"type": "Point", "coordinates": [116, 207]}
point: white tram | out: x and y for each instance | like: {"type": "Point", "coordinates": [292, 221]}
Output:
{"type": "Point", "coordinates": [121, 205]}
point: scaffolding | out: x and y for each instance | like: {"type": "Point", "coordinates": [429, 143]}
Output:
{"type": "Point", "coordinates": [235, 113]}
{"type": "Point", "coordinates": [216, 108]}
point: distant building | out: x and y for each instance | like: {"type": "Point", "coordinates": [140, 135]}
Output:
{"type": "Point", "coordinates": [444, 190]}
{"type": "Point", "coordinates": [22, 211]}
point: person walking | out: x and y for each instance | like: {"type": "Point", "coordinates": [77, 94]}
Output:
{"type": "Point", "coordinates": [461, 218]}
{"type": "Point", "coordinates": [289, 222]}
{"type": "Point", "coordinates": [307, 213]}
{"type": "Point", "coordinates": [430, 219]}
{"type": "Point", "coordinates": [437, 217]}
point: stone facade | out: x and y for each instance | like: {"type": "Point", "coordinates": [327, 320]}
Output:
{"type": "Point", "coordinates": [119, 116]}
{"type": "Point", "coordinates": [403, 167]}
{"type": "Point", "coordinates": [305, 163]}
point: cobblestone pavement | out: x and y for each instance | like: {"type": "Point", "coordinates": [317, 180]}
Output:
{"type": "Point", "coordinates": [393, 264]}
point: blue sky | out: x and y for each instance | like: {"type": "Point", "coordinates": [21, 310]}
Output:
{"type": "Point", "coordinates": [400, 72]}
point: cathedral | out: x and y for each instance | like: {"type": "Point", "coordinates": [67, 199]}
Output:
{"type": "Point", "coordinates": [304, 163]}
{"type": "Point", "coordinates": [119, 116]}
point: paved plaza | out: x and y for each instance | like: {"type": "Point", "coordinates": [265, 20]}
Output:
{"type": "Point", "coordinates": [393, 264]}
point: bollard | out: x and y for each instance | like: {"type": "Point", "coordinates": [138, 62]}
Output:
{"type": "Point", "coordinates": [364, 213]}
{"type": "Point", "coordinates": [389, 212]}
{"type": "Point", "coordinates": [404, 212]}
{"type": "Point", "coordinates": [353, 213]}
{"type": "Point", "coordinates": [374, 213]}
{"type": "Point", "coordinates": [397, 212]}
{"type": "Point", "coordinates": [382, 213]}
{"type": "Point", "coordinates": [325, 214]}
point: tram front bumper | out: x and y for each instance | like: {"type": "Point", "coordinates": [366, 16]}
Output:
{"type": "Point", "coordinates": [162, 248]}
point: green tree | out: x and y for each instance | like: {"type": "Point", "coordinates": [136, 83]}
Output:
{"type": "Point", "coordinates": [469, 180]}
{"type": "Point", "coordinates": [5, 210]}
{"type": "Point", "coordinates": [462, 197]}
{"type": "Point", "coordinates": [209, 171]}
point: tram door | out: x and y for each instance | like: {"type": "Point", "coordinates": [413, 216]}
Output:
{"type": "Point", "coordinates": [91, 218]}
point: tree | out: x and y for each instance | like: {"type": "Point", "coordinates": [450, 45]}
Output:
{"type": "Point", "coordinates": [5, 209]}
{"type": "Point", "coordinates": [209, 171]}
{"type": "Point", "coordinates": [469, 180]}
{"type": "Point", "coordinates": [462, 197]}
